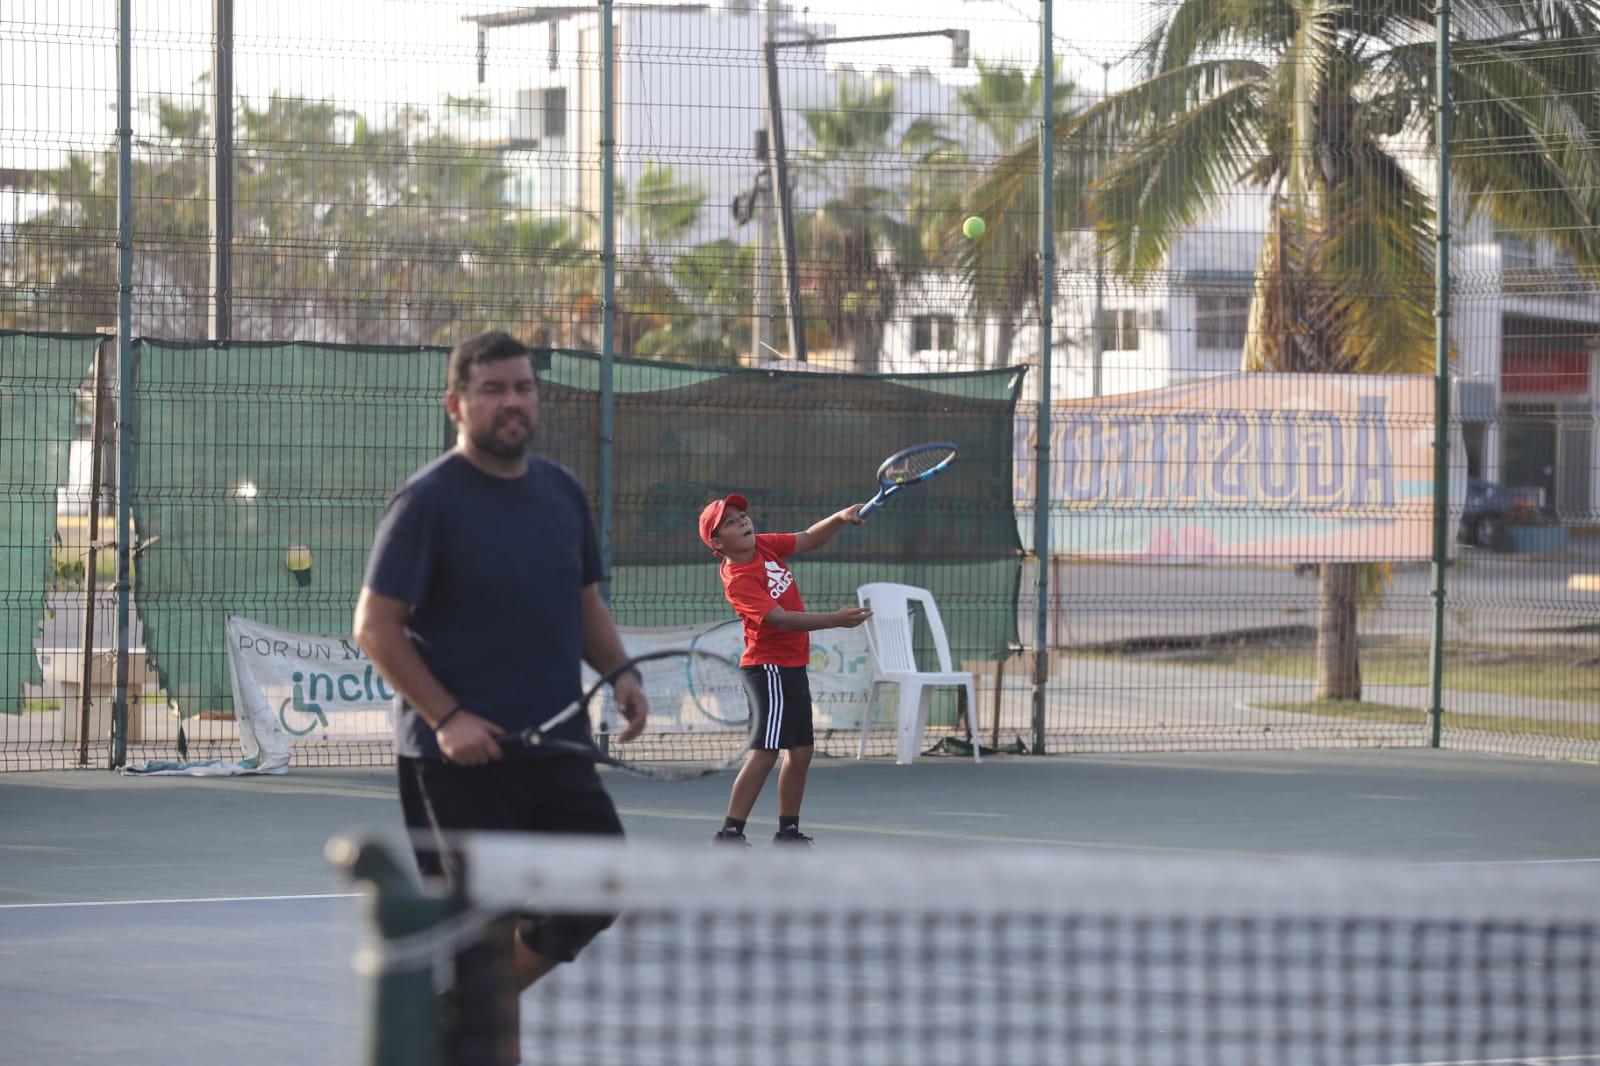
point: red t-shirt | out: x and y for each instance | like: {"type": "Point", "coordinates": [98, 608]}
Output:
{"type": "Point", "coordinates": [754, 589]}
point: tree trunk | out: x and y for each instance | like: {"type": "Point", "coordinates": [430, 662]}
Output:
{"type": "Point", "coordinates": [1005, 336]}
{"type": "Point", "coordinates": [866, 343]}
{"type": "Point", "coordinates": [1338, 646]}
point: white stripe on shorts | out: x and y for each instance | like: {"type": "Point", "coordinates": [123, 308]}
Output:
{"type": "Point", "coordinates": [774, 705]}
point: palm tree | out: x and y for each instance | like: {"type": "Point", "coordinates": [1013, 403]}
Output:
{"type": "Point", "coordinates": [661, 211]}
{"type": "Point", "coordinates": [709, 322]}
{"type": "Point", "coordinates": [563, 310]}
{"type": "Point", "coordinates": [1001, 269]}
{"type": "Point", "coordinates": [859, 247]}
{"type": "Point", "coordinates": [1316, 102]}
{"type": "Point", "coordinates": [364, 232]}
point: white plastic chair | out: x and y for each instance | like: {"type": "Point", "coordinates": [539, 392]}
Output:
{"type": "Point", "coordinates": [889, 637]}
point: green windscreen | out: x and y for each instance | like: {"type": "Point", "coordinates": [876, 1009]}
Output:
{"type": "Point", "coordinates": [246, 451]}
{"type": "Point", "coordinates": [39, 381]}
{"type": "Point", "coordinates": [800, 446]}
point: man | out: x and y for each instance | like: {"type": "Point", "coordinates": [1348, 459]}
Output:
{"type": "Point", "coordinates": [481, 596]}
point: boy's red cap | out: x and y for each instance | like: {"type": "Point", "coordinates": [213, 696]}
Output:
{"type": "Point", "coordinates": [711, 517]}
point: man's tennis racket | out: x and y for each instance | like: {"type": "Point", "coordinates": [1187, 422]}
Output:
{"type": "Point", "coordinates": [672, 679]}
{"type": "Point", "coordinates": [908, 467]}
{"type": "Point", "coordinates": [705, 643]}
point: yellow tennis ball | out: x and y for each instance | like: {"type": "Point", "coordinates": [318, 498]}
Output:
{"type": "Point", "coordinates": [974, 227]}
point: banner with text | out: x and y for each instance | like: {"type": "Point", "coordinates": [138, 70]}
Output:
{"type": "Point", "coordinates": [288, 685]}
{"type": "Point", "coordinates": [1280, 467]}
{"type": "Point", "coordinates": [300, 685]}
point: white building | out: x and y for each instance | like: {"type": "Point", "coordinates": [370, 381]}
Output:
{"type": "Point", "coordinates": [1526, 328]}
{"type": "Point", "coordinates": [689, 91]}
{"type": "Point", "coordinates": [689, 94]}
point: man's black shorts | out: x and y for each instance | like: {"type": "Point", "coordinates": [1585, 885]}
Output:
{"type": "Point", "coordinates": [561, 794]}
{"type": "Point", "coordinates": [783, 702]}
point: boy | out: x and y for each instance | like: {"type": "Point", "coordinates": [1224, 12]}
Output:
{"type": "Point", "coordinates": [777, 648]}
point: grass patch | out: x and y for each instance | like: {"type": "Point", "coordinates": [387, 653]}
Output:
{"type": "Point", "coordinates": [1548, 675]}
{"type": "Point", "coordinates": [1353, 709]}
{"type": "Point", "coordinates": [1512, 724]}
{"type": "Point", "coordinates": [39, 705]}
{"type": "Point", "coordinates": [68, 562]}
{"type": "Point", "coordinates": [72, 550]}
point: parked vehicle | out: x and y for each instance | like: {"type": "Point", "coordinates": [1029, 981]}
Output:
{"type": "Point", "coordinates": [1490, 509]}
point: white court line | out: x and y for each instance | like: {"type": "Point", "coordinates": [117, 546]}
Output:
{"type": "Point", "coordinates": [203, 899]}
{"type": "Point", "coordinates": [954, 834]}
{"type": "Point", "coordinates": [1105, 845]}
{"type": "Point", "coordinates": [1504, 862]}
{"type": "Point", "coordinates": [1524, 1060]}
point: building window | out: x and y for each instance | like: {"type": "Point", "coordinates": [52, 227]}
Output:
{"type": "Point", "coordinates": [933, 333]}
{"type": "Point", "coordinates": [1119, 329]}
{"type": "Point", "coordinates": [1221, 321]}
{"type": "Point", "coordinates": [1516, 251]}
{"type": "Point", "coordinates": [555, 112]}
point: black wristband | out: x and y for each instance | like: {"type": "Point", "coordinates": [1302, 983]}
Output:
{"type": "Point", "coordinates": [451, 713]}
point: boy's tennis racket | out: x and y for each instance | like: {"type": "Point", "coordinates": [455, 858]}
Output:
{"type": "Point", "coordinates": [908, 467]}
{"type": "Point", "coordinates": [672, 679]}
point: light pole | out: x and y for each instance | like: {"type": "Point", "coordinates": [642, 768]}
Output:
{"type": "Point", "coordinates": [778, 158]}
{"type": "Point", "coordinates": [761, 327]}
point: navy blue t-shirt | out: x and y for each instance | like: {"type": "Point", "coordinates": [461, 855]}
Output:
{"type": "Point", "coordinates": [494, 570]}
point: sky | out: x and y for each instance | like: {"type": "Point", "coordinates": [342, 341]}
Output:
{"type": "Point", "coordinates": [58, 62]}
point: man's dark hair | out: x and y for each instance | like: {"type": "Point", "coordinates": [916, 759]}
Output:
{"type": "Point", "coordinates": [490, 347]}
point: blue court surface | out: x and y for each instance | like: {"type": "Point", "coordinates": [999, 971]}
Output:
{"type": "Point", "coordinates": [172, 920]}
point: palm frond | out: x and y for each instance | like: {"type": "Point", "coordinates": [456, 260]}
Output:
{"type": "Point", "coordinates": [1194, 31]}
{"type": "Point", "coordinates": [1528, 144]}
{"type": "Point", "coordinates": [1009, 189]}
{"type": "Point", "coordinates": [1168, 179]}
{"type": "Point", "coordinates": [1376, 254]}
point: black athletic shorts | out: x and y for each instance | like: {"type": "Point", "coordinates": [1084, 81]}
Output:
{"type": "Point", "coordinates": [783, 702]}
{"type": "Point", "coordinates": [559, 794]}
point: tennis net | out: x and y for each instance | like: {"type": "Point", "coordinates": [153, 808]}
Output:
{"type": "Point", "coordinates": [1007, 956]}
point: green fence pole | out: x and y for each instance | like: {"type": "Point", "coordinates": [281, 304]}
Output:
{"type": "Point", "coordinates": [1441, 374]}
{"type": "Point", "coordinates": [608, 285]}
{"type": "Point", "coordinates": [119, 705]}
{"type": "Point", "coordinates": [1041, 449]}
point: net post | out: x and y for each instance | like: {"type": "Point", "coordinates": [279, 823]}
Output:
{"type": "Point", "coordinates": [404, 1027]}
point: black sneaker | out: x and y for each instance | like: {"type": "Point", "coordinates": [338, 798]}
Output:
{"type": "Point", "coordinates": [731, 837]}
{"type": "Point", "coordinates": [792, 836]}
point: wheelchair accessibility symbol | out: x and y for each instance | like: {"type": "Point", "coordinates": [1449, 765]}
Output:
{"type": "Point", "coordinates": [307, 716]}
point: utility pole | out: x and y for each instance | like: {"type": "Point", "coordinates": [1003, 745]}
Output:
{"type": "Point", "coordinates": [960, 56]}
{"type": "Point", "coordinates": [761, 333]}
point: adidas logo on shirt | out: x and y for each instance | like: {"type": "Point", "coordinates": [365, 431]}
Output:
{"type": "Point", "coordinates": [778, 579]}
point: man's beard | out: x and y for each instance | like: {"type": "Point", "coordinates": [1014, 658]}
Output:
{"type": "Point", "coordinates": [489, 442]}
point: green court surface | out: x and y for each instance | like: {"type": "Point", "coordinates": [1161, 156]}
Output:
{"type": "Point", "coordinates": [177, 920]}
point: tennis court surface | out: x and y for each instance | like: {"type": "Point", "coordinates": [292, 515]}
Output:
{"type": "Point", "coordinates": [1272, 907]}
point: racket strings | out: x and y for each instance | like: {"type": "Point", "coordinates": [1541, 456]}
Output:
{"type": "Point", "coordinates": [914, 465]}
{"type": "Point", "coordinates": [690, 686]}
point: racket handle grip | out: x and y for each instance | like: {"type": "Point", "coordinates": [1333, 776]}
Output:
{"type": "Point", "coordinates": [531, 738]}
{"type": "Point", "coordinates": [868, 507]}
